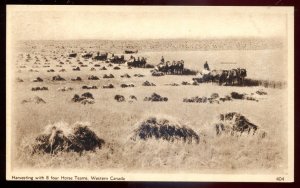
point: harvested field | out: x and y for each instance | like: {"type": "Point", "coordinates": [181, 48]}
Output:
{"type": "Point", "coordinates": [186, 141]}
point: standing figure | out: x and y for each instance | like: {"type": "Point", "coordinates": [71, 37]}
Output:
{"type": "Point", "coordinates": [162, 59]}
{"type": "Point", "coordinates": [206, 67]}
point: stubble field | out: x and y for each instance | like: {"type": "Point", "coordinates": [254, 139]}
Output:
{"type": "Point", "coordinates": [115, 121]}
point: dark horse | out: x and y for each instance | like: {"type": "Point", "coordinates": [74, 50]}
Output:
{"type": "Point", "coordinates": [242, 73]}
{"type": "Point", "coordinates": [232, 77]}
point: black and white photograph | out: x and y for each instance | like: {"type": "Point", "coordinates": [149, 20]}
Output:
{"type": "Point", "coordinates": [150, 93]}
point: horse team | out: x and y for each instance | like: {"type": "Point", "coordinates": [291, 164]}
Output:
{"type": "Point", "coordinates": [137, 62]}
{"type": "Point", "coordinates": [227, 77]}
{"type": "Point", "coordinates": [177, 67]}
{"type": "Point", "coordinates": [132, 62]}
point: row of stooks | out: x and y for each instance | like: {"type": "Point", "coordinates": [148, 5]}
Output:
{"type": "Point", "coordinates": [214, 98]}
{"type": "Point", "coordinates": [92, 77]}
{"type": "Point", "coordinates": [79, 137]}
{"type": "Point", "coordinates": [87, 97]}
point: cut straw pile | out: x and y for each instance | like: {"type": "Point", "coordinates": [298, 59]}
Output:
{"type": "Point", "coordinates": [165, 130]}
{"type": "Point", "coordinates": [64, 137]}
{"type": "Point", "coordinates": [235, 124]}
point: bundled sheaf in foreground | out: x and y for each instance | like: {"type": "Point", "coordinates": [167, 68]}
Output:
{"type": "Point", "coordinates": [164, 129]}
{"type": "Point", "coordinates": [64, 137]}
{"type": "Point", "coordinates": [234, 123]}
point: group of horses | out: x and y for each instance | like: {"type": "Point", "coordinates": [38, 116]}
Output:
{"type": "Point", "coordinates": [132, 62]}
{"type": "Point", "coordinates": [227, 77]}
{"type": "Point", "coordinates": [113, 59]}
{"type": "Point", "coordinates": [101, 57]}
{"type": "Point", "coordinates": [137, 62]}
{"type": "Point", "coordinates": [177, 67]}
{"type": "Point", "coordinates": [116, 59]}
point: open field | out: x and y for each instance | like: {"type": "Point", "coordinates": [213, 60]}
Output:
{"type": "Point", "coordinates": [115, 121]}
{"type": "Point", "coordinates": [264, 61]}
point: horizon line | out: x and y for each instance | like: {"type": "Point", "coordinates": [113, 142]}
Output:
{"type": "Point", "coordinates": [131, 39]}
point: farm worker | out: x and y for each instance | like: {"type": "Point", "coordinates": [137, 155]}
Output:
{"type": "Point", "coordinates": [206, 67]}
{"type": "Point", "coordinates": [162, 59]}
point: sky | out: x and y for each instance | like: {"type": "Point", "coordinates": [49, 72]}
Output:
{"type": "Point", "coordinates": [139, 22]}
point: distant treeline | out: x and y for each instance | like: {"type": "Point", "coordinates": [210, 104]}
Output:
{"type": "Point", "coordinates": [170, 44]}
